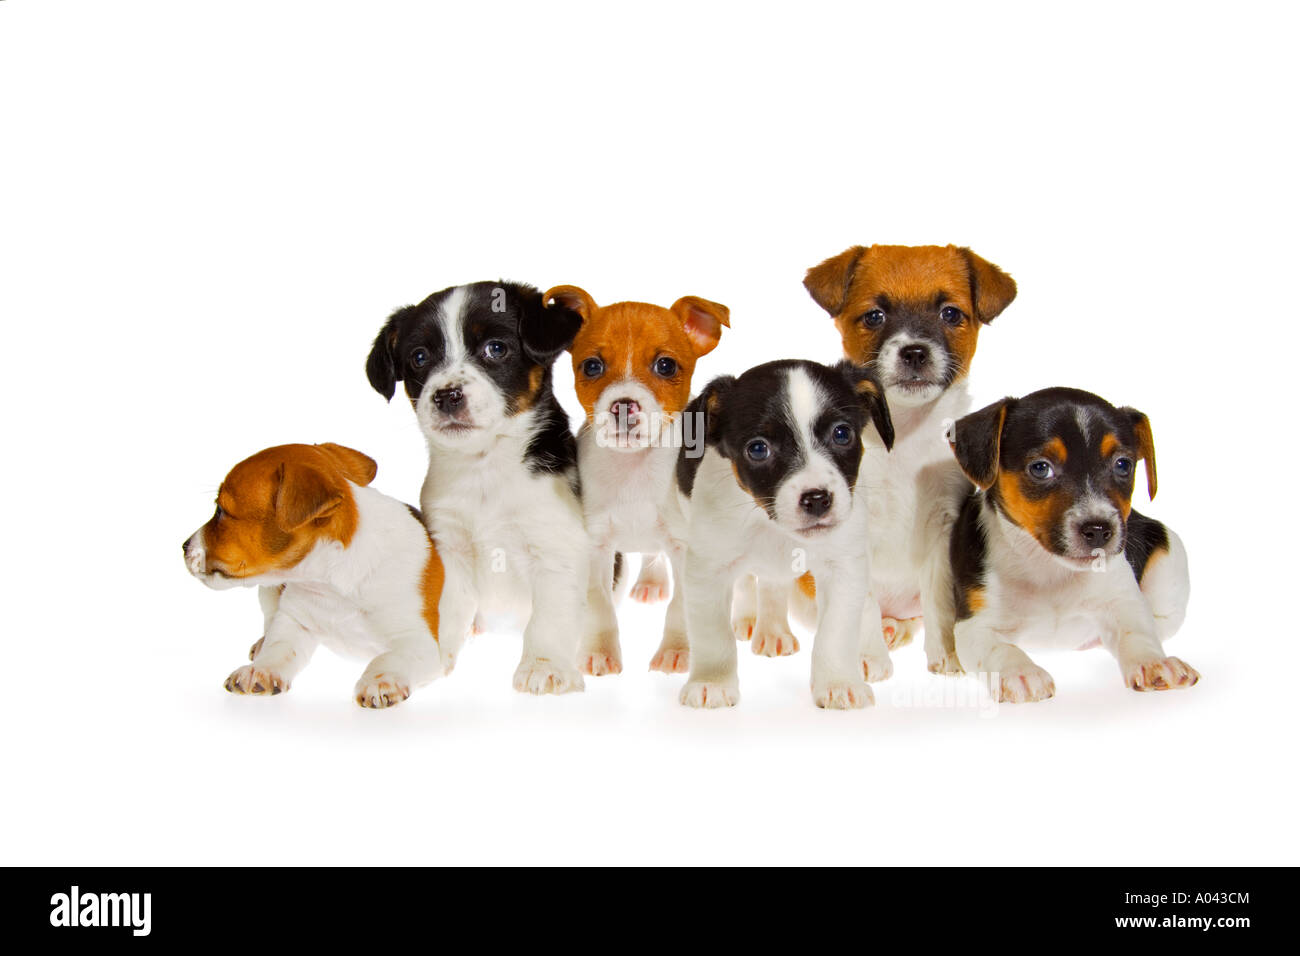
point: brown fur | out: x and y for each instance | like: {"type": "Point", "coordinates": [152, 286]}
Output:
{"type": "Point", "coordinates": [1037, 515]}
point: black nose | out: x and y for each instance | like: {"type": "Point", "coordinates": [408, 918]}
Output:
{"type": "Point", "coordinates": [1096, 533]}
{"type": "Point", "coordinates": [914, 356]}
{"type": "Point", "coordinates": [448, 399]}
{"type": "Point", "coordinates": [816, 502]}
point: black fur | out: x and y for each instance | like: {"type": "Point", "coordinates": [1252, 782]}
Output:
{"type": "Point", "coordinates": [968, 552]}
{"type": "Point", "coordinates": [1143, 538]}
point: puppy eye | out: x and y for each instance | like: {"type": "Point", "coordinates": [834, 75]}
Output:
{"type": "Point", "coordinates": [952, 315]}
{"type": "Point", "coordinates": [593, 368]}
{"type": "Point", "coordinates": [873, 319]}
{"type": "Point", "coordinates": [496, 350]}
{"type": "Point", "coordinates": [665, 367]}
{"type": "Point", "coordinates": [842, 434]}
{"type": "Point", "coordinates": [1041, 469]}
{"type": "Point", "coordinates": [758, 450]}
{"type": "Point", "coordinates": [1123, 467]}
{"type": "Point", "coordinates": [419, 358]}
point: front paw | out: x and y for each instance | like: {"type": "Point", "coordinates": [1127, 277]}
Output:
{"type": "Point", "coordinates": [672, 657]}
{"type": "Point", "coordinates": [537, 675]}
{"type": "Point", "coordinates": [1168, 673]}
{"type": "Point", "coordinates": [847, 694]}
{"type": "Point", "coordinates": [898, 633]}
{"type": "Point", "coordinates": [710, 694]}
{"type": "Point", "coordinates": [944, 662]}
{"type": "Point", "coordinates": [774, 642]}
{"type": "Point", "coordinates": [255, 680]}
{"type": "Point", "coordinates": [1023, 684]}
{"type": "Point", "coordinates": [877, 668]}
{"type": "Point", "coordinates": [257, 646]}
{"type": "Point", "coordinates": [650, 592]}
{"type": "Point", "coordinates": [600, 663]}
{"type": "Point", "coordinates": [381, 690]}
{"type": "Point", "coordinates": [742, 626]}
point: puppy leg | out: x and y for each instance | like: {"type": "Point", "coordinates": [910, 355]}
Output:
{"type": "Point", "coordinates": [939, 614]}
{"type": "Point", "coordinates": [873, 653]}
{"type": "Point", "coordinates": [673, 656]}
{"type": "Point", "coordinates": [899, 632]}
{"type": "Point", "coordinates": [1012, 677]}
{"type": "Point", "coordinates": [744, 607]}
{"type": "Point", "coordinates": [1142, 661]}
{"type": "Point", "coordinates": [803, 602]}
{"type": "Point", "coordinates": [652, 584]}
{"type": "Point", "coordinates": [713, 681]}
{"type": "Point", "coordinates": [412, 660]}
{"type": "Point", "coordinates": [837, 663]}
{"type": "Point", "coordinates": [559, 576]}
{"type": "Point", "coordinates": [772, 635]}
{"type": "Point", "coordinates": [599, 653]}
{"type": "Point", "coordinates": [286, 649]}
{"type": "Point", "coordinates": [1166, 585]}
{"type": "Point", "coordinates": [269, 599]}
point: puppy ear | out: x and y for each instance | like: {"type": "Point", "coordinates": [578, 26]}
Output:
{"type": "Point", "coordinates": [872, 395]}
{"type": "Point", "coordinates": [702, 321]}
{"type": "Point", "coordinates": [829, 282]}
{"type": "Point", "coordinates": [303, 494]}
{"type": "Point", "coordinates": [382, 367]}
{"type": "Point", "coordinates": [546, 330]}
{"type": "Point", "coordinates": [357, 468]}
{"type": "Point", "coordinates": [572, 298]}
{"type": "Point", "coordinates": [976, 440]}
{"type": "Point", "coordinates": [709, 404]}
{"type": "Point", "coordinates": [991, 289]}
{"type": "Point", "coordinates": [1146, 445]}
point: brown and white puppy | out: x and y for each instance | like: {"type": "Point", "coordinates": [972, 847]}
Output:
{"type": "Point", "coordinates": [336, 563]}
{"type": "Point", "coordinates": [1048, 550]}
{"type": "Point", "coordinates": [632, 368]}
{"type": "Point", "coordinates": [911, 315]}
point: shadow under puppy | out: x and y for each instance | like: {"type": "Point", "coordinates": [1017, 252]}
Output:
{"type": "Point", "coordinates": [774, 496]}
{"type": "Point", "coordinates": [1048, 551]}
{"type": "Point", "coordinates": [336, 563]}
{"type": "Point", "coordinates": [501, 493]}
{"type": "Point", "coordinates": [632, 367]}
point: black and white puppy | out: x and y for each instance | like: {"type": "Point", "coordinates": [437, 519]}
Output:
{"type": "Point", "coordinates": [774, 496]}
{"type": "Point", "coordinates": [1047, 550]}
{"type": "Point", "coordinates": [500, 496]}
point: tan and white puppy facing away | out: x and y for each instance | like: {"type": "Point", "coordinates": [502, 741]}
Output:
{"type": "Point", "coordinates": [632, 367]}
{"type": "Point", "coordinates": [335, 563]}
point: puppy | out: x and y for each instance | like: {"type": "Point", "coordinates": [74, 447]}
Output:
{"type": "Point", "coordinates": [775, 495]}
{"type": "Point", "coordinates": [1047, 550]}
{"type": "Point", "coordinates": [336, 563]}
{"type": "Point", "coordinates": [912, 315]}
{"type": "Point", "coordinates": [501, 493]}
{"type": "Point", "coordinates": [632, 367]}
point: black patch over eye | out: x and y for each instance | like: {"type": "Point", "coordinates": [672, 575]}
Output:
{"type": "Point", "coordinates": [593, 368]}
{"type": "Point", "coordinates": [758, 450]}
{"type": "Point", "coordinates": [842, 434]}
{"type": "Point", "coordinates": [496, 350]}
{"type": "Point", "coordinates": [665, 367]}
{"type": "Point", "coordinates": [1123, 467]}
{"type": "Point", "coordinates": [873, 319]}
{"type": "Point", "coordinates": [952, 315]}
{"type": "Point", "coordinates": [1041, 469]}
{"type": "Point", "coordinates": [419, 357]}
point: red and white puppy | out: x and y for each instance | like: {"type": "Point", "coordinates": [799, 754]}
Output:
{"type": "Point", "coordinates": [632, 367]}
{"type": "Point", "coordinates": [336, 563]}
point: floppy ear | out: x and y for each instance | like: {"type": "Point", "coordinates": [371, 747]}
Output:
{"type": "Point", "coordinates": [357, 468]}
{"type": "Point", "coordinates": [872, 395]}
{"type": "Point", "coordinates": [546, 330]}
{"type": "Point", "coordinates": [829, 282]}
{"type": "Point", "coordinates": [1146, 445]}
{"type": "Point", "coordinates": [702, 321]}
{"type": "Point", "coordinates": [303, 494]}
{"type": "Point", "coordinates": [991, 289]}
{"type": "Point", "coordinates": [977, 442]}
{"type": "Point", "coordinates": [572, 298]}
{"type": "Point", "coordinates": [382, 367]}
{"type": "Point", "coordinates": [709, 404]}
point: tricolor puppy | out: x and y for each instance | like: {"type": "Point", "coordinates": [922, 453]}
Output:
{"type": "Point", "coordinates": [775, 496]}
{"type": "Point", "coordinates": [912, 315]}
{"type": "Point", "coordinates": [632, 367]}
{"type": "Point", "coordinates": [336, 563]}
{"type": "Point", "coordinates": [500, 496]}
{"type": "Point", "coordinates": [1048, 551]}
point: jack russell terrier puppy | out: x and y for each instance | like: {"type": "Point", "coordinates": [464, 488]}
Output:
{"type": "Point", "coordinates": [911, 315]}
{"type": "Point", "coordinates": [774, 496]}
{"type": "Point", "coordinates": [632, 367]}
{"type": "Point", "coordinates": [335, 562]}
{"type": "Point", "coordinates": [501, 493]}
{"type": "Point", "coordinates": [1047, 550]}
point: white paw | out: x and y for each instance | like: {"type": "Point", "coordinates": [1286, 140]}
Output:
{"type": "Point", "coordinates": [652, 584]}
{"type": "Point", "coordinates": [600, 663]}
{"type": "Point", "coordinates": [877, 668]}
{"type": "Point", "coordinates": [943, 662]}
{"type": "Point", "coordinates": [672, 658]}
{"type": "Point", "coordinates": [899, 633]}
{"type": "Point", "coordinates": [255, 680]}
{"type": "Point", "coordinates": [743, 626]}
{"type": "Point", "coordinates": [381, 690]}
{"type": "Point", "coordinates": [703, 693]}
{"type": "Point", "coordinates": [774, 642]}
{"type": "Point", "coordinates": [842, 694]}
{"type": "Point", "coordinates": [1023, 684]}
{"type": "Point", "coordinates": [1167, 673]}
{"type": "Point", "coordinates": [257, 646]}
{"type": "Point", "coordinates": [537, 675]}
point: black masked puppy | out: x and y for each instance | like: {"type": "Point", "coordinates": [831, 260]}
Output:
{"type": "Point", "coordinates": [1047, 550]}
{"type": "Point", "coordinates": [773, 495]}
{"type": "Point", "coordinates": [500, 496]}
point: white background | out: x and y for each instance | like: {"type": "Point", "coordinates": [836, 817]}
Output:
{"type": "Point", "coordinates": [207, 211]}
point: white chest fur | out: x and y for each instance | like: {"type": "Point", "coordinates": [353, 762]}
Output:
{"type": "Point", "coordinates": [628, 497]}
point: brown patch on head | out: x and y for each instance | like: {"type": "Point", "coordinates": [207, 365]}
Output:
{"type": "Point", "coordinates": [1055, 449]}
{"type": "Point", "coordinates": [273, 508]}
{"type": "Point", "coordinates": [1029, 507]}
{"type": "Point", "coordinates": [630, 338]}
{"type": "Point", "coordinates": [918, 279]}
{"type": "Point", "coordinates": [1109, 442]}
